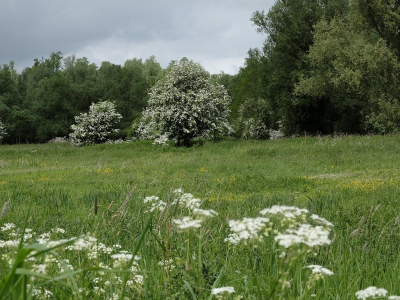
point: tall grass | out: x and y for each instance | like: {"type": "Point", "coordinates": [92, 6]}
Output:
{"type": "Point", "coordinates": [351, 181]}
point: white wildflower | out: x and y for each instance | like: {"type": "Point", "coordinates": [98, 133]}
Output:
{"type": "Point", "coordinates": [10, 243]}
{"type": "Point", "coordinates": [371, 291]}
{"type": "Point", "coordinates": [138, 279]}
{"type": "Point", "coordinates": [187, 200]}
{"type": "Point", "coordinates": [205, 212]}
{"type": "Point", "coordinates": [7, 226]}
{"type": "Point", "coordinates": [121, 259]}
{"type": "Point", "coordinates": [82, 243]}
{"type": "Point", "coordinates": [232, 238]}
{"type": "Point", "coordinates": [304, 234]}
{"type": "Point", "coordinates": [156, 203]}
{"type": "Point", "coordinates": [167, 264]}
{"type": "Point", "coordinates": [320, 270]}
{"type": "Point", "coordinates": [58, 230]}
{"type": "Point", "coordinates": [222, 290]}
{"type": "Point", "coordinates": [281, 209]}
{"type": "Point", "coordinates": [248, 228]}
{"type": "Point", "coordinates": [187, 222]}
{"type": "Point", "coordinates": [41, 268]}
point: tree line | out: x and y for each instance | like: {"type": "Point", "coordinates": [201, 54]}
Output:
{"type": "Point", "coordinates": [41, 102]}
{"type": "Point", "coordinates": [326, 66]}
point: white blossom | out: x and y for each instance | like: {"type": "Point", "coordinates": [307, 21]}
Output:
{"type": "Point", "coordinates": [222, 290]}
{"type": "Point", "coordinates": [96, 126]}
{"type": "Point", "coordinates": [371, 291]}
{"type": "Point", "coordinates": [304, 234]}
{"type": "Point", "coordinates": [7, 226]}
{"type": "Point", "coordinates": [187, 222]}
{"type": "Point", "coordinates": [320, 270]}
{"type": "Point", "coordinates": [285, 210]}
{"type": "Point", "coordinates": [205, 212]}
{"type": "Point", "coordinates": [248, 228]}
{"type": "Point", "coordinates": [185, 105]}
{"type": "Point", "coordinates": [233, 239]}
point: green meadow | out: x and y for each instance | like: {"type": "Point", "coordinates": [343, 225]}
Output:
{"type": "Point", "coordinates": [351, 181]}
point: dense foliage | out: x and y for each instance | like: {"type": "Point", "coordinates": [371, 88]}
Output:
{"type": "Point", "coordinates": [97, 126]}
{"type": "Point", "coordinates": [326, 66]}
{"type": "Point", "coordinates": [42, 102]}
{"type": "Point", "coordinates": [184, 105]}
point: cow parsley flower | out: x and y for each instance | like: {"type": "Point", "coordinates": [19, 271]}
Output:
{"type": "Point", "coordinates": [320, 270]}
{"type": "Point", "coordinates": [167, 264]}
{"type": "Point", "coordinates": [233, 239]}
{"type": "Point", "coordinates": [304, 234]}
{"type": "Point", "coordinates": [371, 291]}
{"type": "Point", "coordinates": [187, 200]}
{"type": "Point", "coordinates": [289, 211]}
{"type": "Point", "coordinates": [83, 243]}
{"type": "Point", "coordinates": [248, 228]}
{"type": "Point", "coordinates": [156, 203]}
{"type": "Point", "coordinates": [7, 226]}
{"type": "Point", "coordinates": [187, 222]}
{"type": "Point", "coordinates": [219, 292]}
{"type": "Point", "coordinates": [208, 213]}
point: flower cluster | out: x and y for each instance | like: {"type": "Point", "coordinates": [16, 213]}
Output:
{"type": "Point", "coordinates": [220, 292]}
{"type": "Point", "coordinates": [287, 223]}
{"type": "Point", "coordinates": [248, 228]}
{"type": "Point", "coordinates": [371, 291]}
{"type": "Point", "coordinates": [96, 126]}
{"type": "Point", "coordinates": [155, 203]}
{"type": "Point", "coordinates": [185, 201]}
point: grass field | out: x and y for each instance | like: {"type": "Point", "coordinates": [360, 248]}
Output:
{"type": "Point", "coordinates": [351, 181]}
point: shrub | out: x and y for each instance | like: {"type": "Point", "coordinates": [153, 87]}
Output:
{"type": "Point", "coordinates": [97, 126]}
{"type": "Point", "coordinates": [185, 105]}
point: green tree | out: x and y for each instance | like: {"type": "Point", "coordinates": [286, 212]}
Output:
{"type": "Point", "coordinates": [184, 104]}
{"type": "Point", "coordinates": [356, 74]}
{"type": "Point", "coordinates": [83, 80]}
{"type": "Point", "coordinates": [289, 26]}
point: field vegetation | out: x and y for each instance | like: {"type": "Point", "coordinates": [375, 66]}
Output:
{"type": "Point", "coordinates": [99, 192]}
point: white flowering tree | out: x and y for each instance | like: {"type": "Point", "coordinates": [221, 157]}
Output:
{"type": "Point", "coordinates": [97, 126]}
{"type": "Point", "coordinates": [185, 105]}
{"type": "Point", "coordinates": [2, 131]}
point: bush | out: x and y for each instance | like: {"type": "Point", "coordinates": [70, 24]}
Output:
{"type": "Point", "coordinates": [185, 105]}
{"type": "Point", "coordinates": [97, 126]}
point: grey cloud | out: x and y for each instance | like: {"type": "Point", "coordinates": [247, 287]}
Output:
{"type": "Point", "coordinates": [207, 29]}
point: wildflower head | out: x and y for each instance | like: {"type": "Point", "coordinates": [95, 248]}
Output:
{"type": "Point", "coordinates": [205, 213]}
{"type": "Point", "coordinates": [187, 223]}
{"type": "Point", "coordinates": [248, 228]}
{"type": "Point", "coordinates": [220, 292]}
{"type": "Point", "coordinates": [305, 234]}
{"type": "Point", "coordinates": [371, 291]}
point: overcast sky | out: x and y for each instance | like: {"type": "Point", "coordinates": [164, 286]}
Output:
{"type": "Point", "coordinates": [215, 33]}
